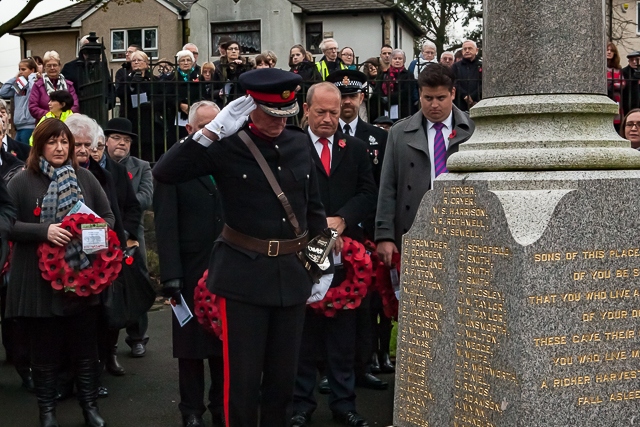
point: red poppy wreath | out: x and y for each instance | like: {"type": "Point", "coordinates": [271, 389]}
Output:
{"type": "Point", "coordinates": [385, 287]}
{"type": "Point", "coordinates": [206, 307]}
{"type": "Point", "coordinates": [348, 294]}
{"type": "Point", "coordinates": [105, 265]}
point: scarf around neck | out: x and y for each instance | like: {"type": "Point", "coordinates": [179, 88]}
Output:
{"type": "Point", "coordinates": [49, 87]}
{"type": "Point", "coordinates": [185, 75]}
{"type": "Point", "coordinates": [389, 84]}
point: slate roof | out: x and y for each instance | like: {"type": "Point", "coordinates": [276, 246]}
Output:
{"type": "Point", "coordinates": [329, 6]}
{"type": "Point", "coordinates": [62, 19]}
{"type": "Point", "coordinates": [59, 19]}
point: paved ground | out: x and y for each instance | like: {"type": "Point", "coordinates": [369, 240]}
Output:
{"type": "Point", "coordinates": [147, 395]}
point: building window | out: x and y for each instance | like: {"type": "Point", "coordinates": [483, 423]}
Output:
{"type": "Point", "coordinates": [313, 37]}
{"type": "Point", "coordinates": [638, 18]}
{"type": "Point", "coordinates": [246, 33]}
{"type": "Point", "coordinates": [147, 38]}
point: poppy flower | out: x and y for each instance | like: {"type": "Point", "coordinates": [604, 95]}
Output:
{"type": "Point", "coordinates": [130, 175]}
{"type": "Point", "coordinates": [128, 260]}
{"type": "Point", "coordinates": [37, 211]}
{"type": "Point", "coordinates": [342, 143]}
{"type": "Point", "coordinates": [452, 134]}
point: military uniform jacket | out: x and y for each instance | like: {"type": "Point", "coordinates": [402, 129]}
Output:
{"type": "Point", "coordinates": [376, 141]}
{"type": "Point", "coordinates": [348, 191]}
{"type": "Point", "coordinates": [406, 173]}
{"type": "Point", "coordinates": [251, 207]}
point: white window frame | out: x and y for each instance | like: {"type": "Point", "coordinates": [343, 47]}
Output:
{"type": "Point", "coordinates": [146, 49]}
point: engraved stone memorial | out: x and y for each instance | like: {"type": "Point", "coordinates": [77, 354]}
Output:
{"type": "Point", "coordinates": [520, 276]}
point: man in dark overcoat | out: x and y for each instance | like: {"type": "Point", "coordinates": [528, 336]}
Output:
{"type": "Point", "coordinates": [254, 269]}
{"type": "Point", "coordinates": [349, 195]}
{"type": "Point", "coordinates": [411, 163]}
{"type": "Point", "coordinates": [188, 220]}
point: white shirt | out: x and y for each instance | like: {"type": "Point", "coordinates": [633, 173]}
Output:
{"type": "Point", "coordinates": [318, 145]}
{"type": "Point", "coordinates": [5, 147]}
{"type": "Point", "coordinates": [352, 125]}
{"type": "Point", "coordinates": [431, 134]}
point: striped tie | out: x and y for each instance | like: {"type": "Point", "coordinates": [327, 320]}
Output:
{"type": "Point", "coordinates": [439, 151]}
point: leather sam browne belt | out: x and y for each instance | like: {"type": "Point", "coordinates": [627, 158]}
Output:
{"type": "Point", "coordinates": [270, 248]}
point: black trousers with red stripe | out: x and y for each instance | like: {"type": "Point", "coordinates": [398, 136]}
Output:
{"type": "Point", "coordinates": [260, 350]}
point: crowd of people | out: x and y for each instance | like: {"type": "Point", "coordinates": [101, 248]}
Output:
{"type": "Point", "coordinates": [269, 163]}
{"type": "Point", "coordinates": [156, 96]}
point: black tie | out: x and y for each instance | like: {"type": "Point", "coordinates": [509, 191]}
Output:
{"type": "Point", "coordinates": [347, 129]}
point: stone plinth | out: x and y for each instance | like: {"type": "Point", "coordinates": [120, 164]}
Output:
{"type": "Point", "coordinates": [521, 302]}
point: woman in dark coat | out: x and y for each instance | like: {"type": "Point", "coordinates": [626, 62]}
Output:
{"type": "Point", "coordinates": [232, 65]}
{"type": "Point", "coordinates": [299, 64]}
{"type": "Point", "coordinates": [54, 318]}
{"type": "Point", "coordinates": [398, 88]}
{"type": "Point", "coordinates": [142, 102]}
{"type": "Point", "coordinates": [182, 90]}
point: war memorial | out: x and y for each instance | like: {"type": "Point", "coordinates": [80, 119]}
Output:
{"type": "Point", "coordinates": [521, 274]}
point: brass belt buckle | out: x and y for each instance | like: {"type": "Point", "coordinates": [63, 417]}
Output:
{"type": "Point", "coordinates": [274, 248]}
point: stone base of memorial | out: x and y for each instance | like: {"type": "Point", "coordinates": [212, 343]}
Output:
{"type": "Point", "coordinates": [521, 302]}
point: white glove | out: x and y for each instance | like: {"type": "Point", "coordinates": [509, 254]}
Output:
{"type": "Point", "coordinates": [232, 117]}
{"type": "Point", "coordinates": [319, 290]}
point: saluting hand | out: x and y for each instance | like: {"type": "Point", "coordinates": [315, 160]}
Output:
{"type": "Point", "coordinates": [230, 119]}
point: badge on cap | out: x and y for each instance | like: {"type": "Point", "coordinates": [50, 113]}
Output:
{"type": "Point", "coordinates": [346, 81]}
{"type": "Point", "coordinates": [286, 94]}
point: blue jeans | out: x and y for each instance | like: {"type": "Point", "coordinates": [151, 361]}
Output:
{"type": "Point", "coordinates": [23, 135]}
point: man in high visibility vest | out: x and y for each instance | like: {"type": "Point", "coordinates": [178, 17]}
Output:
{"type": "Point", "coordinates": [330, 61]}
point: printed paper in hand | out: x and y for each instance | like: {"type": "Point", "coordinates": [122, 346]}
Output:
{"type": "Point", "coordinates": [182, 312]}
{"type": "Point", "coordinates": [395, 282]}
{"type": "Point", "coordinates": [94, 237]}
{"type": "Point", "coordinates": [80, 207]}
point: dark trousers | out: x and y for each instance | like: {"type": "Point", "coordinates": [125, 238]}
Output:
{"type": "Point", "coordinates": [364, 336]}
{"type": "Point", "coordinates": [15, 338]}
{"type": "Point", "coordinates": [381, 325]}
{"type": "Point", "coordinates": [333, 339]}
{"type": "Point", "coordinates": [260, 350]}
{"type": "Point", "coordinates": [137, 332]}
{"type": "Point", "coordinates": [51, 335]}
{"type": "Point", "coordinates": [191, 378]}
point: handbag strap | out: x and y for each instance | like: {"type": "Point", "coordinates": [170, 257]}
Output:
{"type": "Point", "coordinates": [273, 182]}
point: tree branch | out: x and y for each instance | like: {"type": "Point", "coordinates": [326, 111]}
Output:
{"type": "Point", "coordinates": [20, 16]}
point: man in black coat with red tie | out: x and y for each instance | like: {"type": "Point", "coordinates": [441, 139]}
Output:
{"type": "Point", "coordinates": [349, 196]}
{"type": "Point", "coordinates": [254, 269]}
{"type": "Point", "coordinates": [188, 220]}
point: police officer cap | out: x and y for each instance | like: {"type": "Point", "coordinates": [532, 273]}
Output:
{"type": "Point", "coordinates": [348, 81]}
{"type": "Point", "coordinates": [633, 54]}
{"type": "Point", "coordinates": [274, 90]}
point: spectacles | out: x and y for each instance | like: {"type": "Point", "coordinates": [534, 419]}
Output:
{"type": "Point", "coordinates": [347, 54]}
{"type": "Point", "coordinates": [118, 138]}
{"type": "Point", "coordinates": [631, 125]}
{"type": "Point", "coordinates": [185, 60]}
{"type": "Point", "coordinates": [99, 147]}
{"type": "Point", "coordinates": [86, 145]}
{"type": "Point", "coordinates": [233, 48]}
{"type": "Point", "coordinates": [52, 66]}
{"type": "Point", "coordinates": [138, 60]}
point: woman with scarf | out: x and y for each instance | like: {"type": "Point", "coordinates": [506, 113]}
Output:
{"type": "Point", "coordinates": [43, 195]}
{"type": "Point", "coordinates": [50, 82]}
{"type": "Point", "coordinates": [398, 88]}
{"type": "Point", "coordinates": [182, 90]}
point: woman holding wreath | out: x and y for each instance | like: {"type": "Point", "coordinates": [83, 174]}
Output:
{"type": "Point", "coordinates": [43, 194]}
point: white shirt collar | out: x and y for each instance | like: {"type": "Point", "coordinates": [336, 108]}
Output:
{"type": "Point", "coordinates": [315, 138]}
{"type": "Point", "coordinates": [448, 122]}
{"type": "Point", "coordinates": [352, 124]}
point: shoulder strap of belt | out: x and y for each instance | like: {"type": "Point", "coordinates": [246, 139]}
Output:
{"type": "Point", "coordinates": [272, 181]}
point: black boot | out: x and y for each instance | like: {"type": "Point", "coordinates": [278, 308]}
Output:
{"type": "Point", "coordinates": [87, 374]}
{"type": "Point", "coordinates": [113, 366]}
{"type": "Point", "coordinates": [45, 378]}
{"type": "Point", "coordinates": [27, 379]}
{"type": "Point", "coordinates": [374, 363]}
{"type": "Point", "coordinates": [386, 364]}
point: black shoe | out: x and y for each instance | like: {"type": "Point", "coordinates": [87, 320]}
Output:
{"type": "Point", "coordinates": [299, 419]}
{"type": "Point", "coordinates": [219, 420]}
{"type": "Point", "coordinates": [192, 421]}
{"type": "Point", "coordinates": [371, 381]}
{"type": "Point", "coordinates": [351, 418]}
{"type": "Point", "coordinates": [138, 350]}
{"type": "Point", "coordinates": [103, 391]}
{"type": "Point", "coordinates": [374, 363]}
{"type": "Point", "coordinates": [113, 366]}
{"type": "Point", "coordinates": [387, 365]}
{"type": "Point", "coordinates": [323, 386]}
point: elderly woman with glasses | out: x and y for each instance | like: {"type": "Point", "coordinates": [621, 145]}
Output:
{"type": "Point", "coordinates": [141, 102]}
{"type": "Point", "coordinates": [183, 89]}
{"type": "Point", "coordinates": [50, 82]}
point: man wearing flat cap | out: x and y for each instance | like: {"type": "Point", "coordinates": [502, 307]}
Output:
{"type": "Point", "coordinates": [631, 91]}
{"type": "Point", "coordinates": [254, 270]}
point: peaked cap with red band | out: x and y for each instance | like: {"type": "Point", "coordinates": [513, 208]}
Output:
{"type": "Point", "coordinates": [274, 90]}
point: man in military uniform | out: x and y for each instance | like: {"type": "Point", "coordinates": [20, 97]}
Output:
{"type": "Point", "coordinates": [254, 269]}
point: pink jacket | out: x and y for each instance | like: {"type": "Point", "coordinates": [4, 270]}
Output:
{"type": "Point", "coordinates": [39, 99]}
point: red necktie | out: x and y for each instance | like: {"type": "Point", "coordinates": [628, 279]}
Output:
{"type": "Point", "coordinates": [325, 155]}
